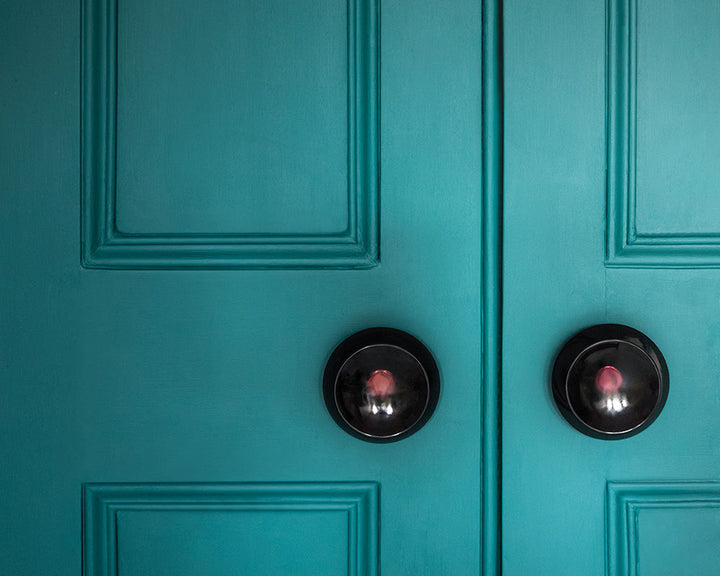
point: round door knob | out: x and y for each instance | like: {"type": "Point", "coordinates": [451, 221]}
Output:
{"type": "Point", "coordinates": [381, 385]}
{"type": "Point", "coordinates": [610, 381]}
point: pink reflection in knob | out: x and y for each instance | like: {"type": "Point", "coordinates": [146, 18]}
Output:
{"type": "Point", "coordinates": [380, 383]}
{"type": "Point", "coordinates": [608, 380]}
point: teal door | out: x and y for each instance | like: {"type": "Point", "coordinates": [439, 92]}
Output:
{"type": "Point", "coordinates": [200, 200]}
{"type": "Point", "coordinates": [611, 215]}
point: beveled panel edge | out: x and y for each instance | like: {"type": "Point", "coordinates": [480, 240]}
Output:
{"type": "Point", "coordinates": [102, 501]}
{"type": "Point", "coordinates": [624, 500]}
{"type": "Point", "coordinates": [302, 253]}
{"type": "Point", "coordinates": [625, 247]}
{"type": "Point", "coordinates": [104, 247]}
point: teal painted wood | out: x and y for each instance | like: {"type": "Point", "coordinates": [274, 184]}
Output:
{"type": "Point", "coordinates": [492, 285]}
{"type": "Point", "coordinates": [203, 243]}
{"type": "Point", "coordinates": [248, 528]}
{"type": "Point", "coordinates": [677, 157]}
{"type": "Point", "coordinates": [680, 536]}
{"type": "Point", "coordinates": [211, 375]}
{"type": "Point", "coordinates": [557, 280]}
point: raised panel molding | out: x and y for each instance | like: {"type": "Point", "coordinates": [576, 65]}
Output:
{"type": "Point", "coordinates": [626, 501]}
{"type": "Point", "coordinates": [106, 505]}
{"type": "Point", "coordinates": [105, 246]}
{"type": "Point", "coordinates": [625, 245]}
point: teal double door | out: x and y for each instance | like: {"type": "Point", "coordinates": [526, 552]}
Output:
{"type": "Point", "coordinates": [201, 200]}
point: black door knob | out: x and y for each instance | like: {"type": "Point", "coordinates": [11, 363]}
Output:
{"type": "Point", "coordinates": [610, 381]}
{"type": "Point", "coordinates": [381, 385]}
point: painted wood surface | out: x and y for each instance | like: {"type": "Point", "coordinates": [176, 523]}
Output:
{"type": "Point", "coordinates": [270, 157]}
{"type": "Point", "coordinates": [268, 528]}
{"type": "Point", "coordinates": [610, 216]}
{"type": "Point", "coordinates": [190, 354]}
{"type": "Point", "coordinates": [663, 528]}
{"type": "Point", "coordinates": [199, 202]}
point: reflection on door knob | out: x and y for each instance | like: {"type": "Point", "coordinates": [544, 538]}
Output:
{"type": "Point", "coordinates": [610, 381]}
{"type": "Point", "coordinates": [381, 385]}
